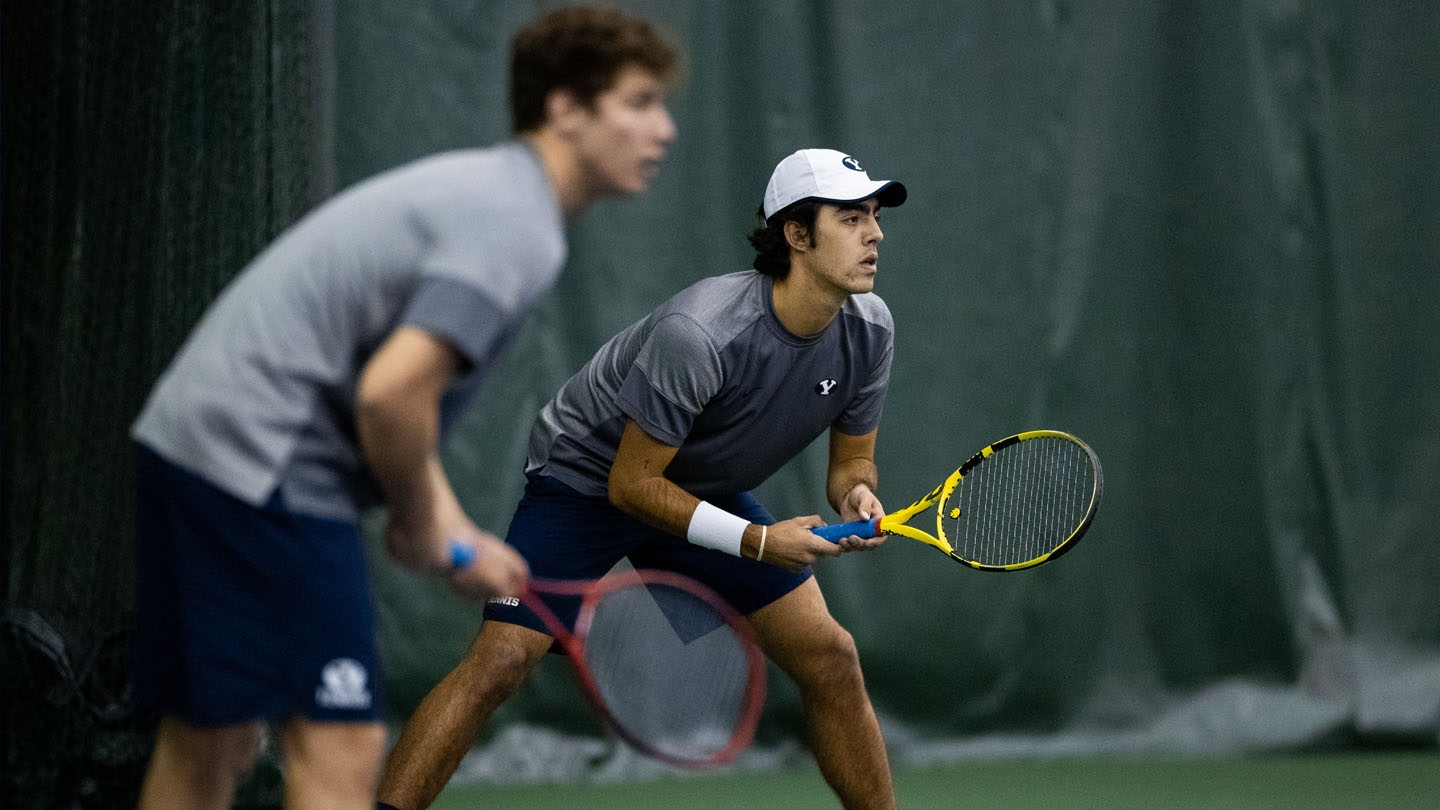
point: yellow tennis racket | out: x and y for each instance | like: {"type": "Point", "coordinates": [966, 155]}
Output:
{"type": "Point", "coordinates": [1016, 504]}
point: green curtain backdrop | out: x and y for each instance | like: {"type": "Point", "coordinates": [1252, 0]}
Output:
{"type": "Point", "coordinates": [148, 153]}
{"type": "Point", "coordinates": [1202, 235]}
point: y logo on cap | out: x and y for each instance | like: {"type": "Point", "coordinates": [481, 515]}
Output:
{"type": "Point", "coordinates": [852, 164]}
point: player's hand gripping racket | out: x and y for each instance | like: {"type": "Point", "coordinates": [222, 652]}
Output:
{"type": "Point", "coordinates": [1020, 502]}
{"type": "Point", "coordinates": [667, 665]}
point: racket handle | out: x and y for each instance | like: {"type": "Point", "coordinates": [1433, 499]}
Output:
{"type": "Point", "coordinates": [836, 532]}
{"type": "Point", "coordinates": [461, 555]}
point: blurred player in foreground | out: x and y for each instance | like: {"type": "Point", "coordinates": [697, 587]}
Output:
{"type": "Point", "coordinates": [319, 384]}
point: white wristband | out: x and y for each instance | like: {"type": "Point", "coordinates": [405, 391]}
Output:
{"type": "Point", "coordinates": [713, 527]}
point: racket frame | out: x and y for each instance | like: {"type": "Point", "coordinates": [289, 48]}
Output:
{"type": "Point", "coordinates": [572, 643]}
{"type": "Point", "coordinates": [896, 523]}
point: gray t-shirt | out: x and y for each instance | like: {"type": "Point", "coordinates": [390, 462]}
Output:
{"type": "Point", "coordinates": [262, 394]}
{"type": "Point", "coordinates": [713, 372]}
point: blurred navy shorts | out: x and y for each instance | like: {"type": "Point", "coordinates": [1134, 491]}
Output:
{"type": "Point", "coordinates": [246, 613]}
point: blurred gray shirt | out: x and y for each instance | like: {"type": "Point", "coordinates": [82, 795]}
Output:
{"type": "Point", "coordinates": [262, 395]}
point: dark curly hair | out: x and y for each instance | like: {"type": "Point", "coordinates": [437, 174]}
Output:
{"type": "Point", "coordinates": [580, 49]}
{"type": "Point", "coordinates": [772, 251]}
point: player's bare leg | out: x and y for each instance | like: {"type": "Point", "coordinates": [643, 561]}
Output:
{"type": "Point", "coordinates": [198, 768]}
{"type": "Point", "coordinates": [802, 638]}
{"type": "Point", "coordinates": [332, 765]}
{"type": "Point", "coordinates": [443, 728]}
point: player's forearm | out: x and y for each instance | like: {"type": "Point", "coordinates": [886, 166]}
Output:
{"type": "Point", "coordinates": [845, 476]}
{"type": "Point", "coordinates": [638, 487]}
{"type": "Point", "coordinates": [662, 504]}
{"type": "Point", "coordinates": [852, 464]}
{"type": "Point", "coordinates": [399, 441]}
{"type": "Point", "coordinates": [654, 501]}
{"type": "Point", "coordinates": [397, 418]}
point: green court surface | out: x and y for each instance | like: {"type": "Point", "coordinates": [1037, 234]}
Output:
{"type": "Point", "coordinates": [1368, 781]}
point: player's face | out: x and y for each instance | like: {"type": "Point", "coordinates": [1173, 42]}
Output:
{"type": "Point", "coordinates": [625, 135]}
{"type": "Point", "coordinates": [846, 252]}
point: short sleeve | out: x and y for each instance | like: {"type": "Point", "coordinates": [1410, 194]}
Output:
{"type": "Point", "coordinates": [676, 372]}
{"type": "Point", "coordinates": [862, 414]}
{"type": "Point", "coordinates": [465, 317]}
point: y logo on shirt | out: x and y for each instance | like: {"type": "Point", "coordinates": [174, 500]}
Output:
{"type": "Point", "coordinates": [824, 387]}
{"type": "Point", "coordinates": [343, 685]}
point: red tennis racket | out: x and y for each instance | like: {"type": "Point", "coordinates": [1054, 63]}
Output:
{"type": "Point", "coordinates": [666, 664]}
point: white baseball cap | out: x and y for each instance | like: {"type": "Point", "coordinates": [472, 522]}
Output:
{"type": "Point", "coordinates": [828, 176]}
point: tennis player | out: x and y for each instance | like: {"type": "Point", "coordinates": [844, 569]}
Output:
{"type": "Point", "coordinates": [319, 385]}
{"type": "Point", "coordinates": [650, 452]}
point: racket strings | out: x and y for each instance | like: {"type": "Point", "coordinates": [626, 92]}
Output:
{"type": "Point", "coordinates": [1021, 503]}
{"type": "Point", "coordinates": [673, 674]}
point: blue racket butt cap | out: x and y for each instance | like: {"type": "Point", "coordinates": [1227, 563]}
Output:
{"type": "Point", "coordinates": [836, 532]}
{"type": "Point", "coordinates": [461, 555]}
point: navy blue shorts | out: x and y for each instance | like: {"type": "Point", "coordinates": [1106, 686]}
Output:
{"type": "Point", "coordinates": [246, 613]}
{"type": "Point", "coordinates": [563, 534]}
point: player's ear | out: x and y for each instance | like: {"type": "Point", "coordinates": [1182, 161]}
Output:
{"type": "Point", "coordinates": [796, 235]}
{"type": "Point", "coordinates": [563, 111]}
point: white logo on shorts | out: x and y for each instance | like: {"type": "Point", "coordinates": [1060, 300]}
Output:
{"type": "Point", "coordinates": [343, 685]}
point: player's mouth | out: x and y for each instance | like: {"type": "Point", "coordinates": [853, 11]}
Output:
{"type": "Point", "coordinates": [650, 167]}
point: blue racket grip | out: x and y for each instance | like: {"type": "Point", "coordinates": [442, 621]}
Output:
{"type": "Point", "coordinates": [461, 555]}
{"type": "Point", "coordinates": [836, 532]}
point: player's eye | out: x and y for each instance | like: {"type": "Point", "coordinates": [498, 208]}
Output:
{"type": "Point", "coordinates": [644, 101]}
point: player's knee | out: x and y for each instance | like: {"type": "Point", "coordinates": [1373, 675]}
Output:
{"type": "Point", "coordinates": [841, 651]}
{"type": "Point", "coordinates": [498, 663]}
{"type": "Point", "coordinates": [832, 660]}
